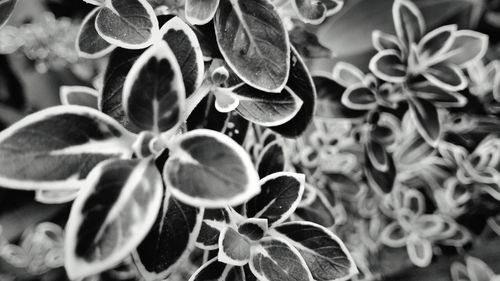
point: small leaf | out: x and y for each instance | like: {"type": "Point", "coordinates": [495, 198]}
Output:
{"type": "Point", "coordinates": [253, 228]}
{"type": "Point", "coordinates": [468, 48]}
{"type": "Point", "coordinates": [225, 101]}
{"type": "Point", "coordinates": [436, 43]}
{"type": "Point", "coordinates": [6, 10]}
{"type": "Point", "coordinates": [277, 259]}
{"type": "Point", "coordinates": [419, 250]}
{"type": "Point", "coordinates": [279, 197]}
{"type": "Point", "coordinates": [271, 159]}
{"type": "Point", "coordinates": [153, 93]}
{"type": "Point", "coordinates": [157, 256]}
{"type": "Point", "coordinates": [307, 43]}
{"type": "Point", "coordinates": [408, 22]}
{"type": "Point", "coordinates": [387, 65]}
{"type": "Point", "coordinates": [446, 76]}
{"type": "Point", "coordinates": [234, 248]}
{"type": "Point", "coordinates": [200, 12]}
{"type": "Point", "coordinates": [46, 150]}
{"type": "Point", "coordinates": [213, 222]}
{"type": "Point", "coordinates": [301, 83]}
{"type": "Point", "coordinates": [439, 96]}
{"type": "Point", "coordinates": [129, 24]}
{"type": "Point", "coordinates": [324, 253]}
{"type": "Point", "coordinates": [393, 235]}
{"type": "Point", "coordinates": [111, 216]}
{"type": "Point", "coordinates": [380, 170]}
{"type": "Point", "coordinates": [79, 95]}
{"type": "Point", "coordinates": [384, 41]}
{"type": "Point", "coordinates": [184, 44]}
{"type": "Point", "coordinates": [119, 64]}
{"type": "Point", "coordinates": [315, 12]}
{"type": "Point", "coordinates": [254, 42]}
{"type": "Point", "coordinates": [426, 119]}
{"type": "Point", "coordinates": [56, 196]}
{"type": "Point", "coordinates": [89, 44]}
{"type": "Point", "coordinates": [217, 177]}
{"type": "Point", "coordinates": [347, 74]}
{"type": "Point", "coordinates": [359, 97]}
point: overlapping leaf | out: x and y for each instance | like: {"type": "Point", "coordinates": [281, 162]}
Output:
{"type": "Point", "coordinates": [111, 216]}
{"type": "Point", "coordinates": [315, 12]}
{"type": "Point", "coordinates": [379, 167]}
{"type": "Point", "coordinates": [271, 159]}
{"type": "Point", "coordinates": [234, 248]}
{"type": "Point", "coordinates": [200, 11]}
{"type": "Point", "coordinates": [216, 177]}
{"type": "Point", "coordinates": [79, 95]}
{"type": "Point", "coordinates": [426, 118]}
{"type": "Point", "coordinates": [47, 150]}
{"type": "Point", "coordinates": [216, 270]}
{"type": "Point", "coordinates": [213, 223]}
{"type": "Point", "coordinates": [89, 44]}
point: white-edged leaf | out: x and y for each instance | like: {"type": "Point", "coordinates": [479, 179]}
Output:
{"type": "Point", "coordinates": [447, 76]}
{"type": "Point", "coordinates": [57, 147]}
{"type": "Point", "coordinates": [234, 248]}
{"type": "Point", "coordinates": [56, 196]}
{"type": "Point", "coordinates": [215, 270]}
{"type": "Point", "coordinates": [271, 159]}
{"type": "Point", "coordinates": [439, 96]}
{"type": "Point", "coordinates": [324, 253]}
{"type": "Point", "coordinates": [79, 95]}
{"type": "Point", "coordinates": [426, 120]}
{"type": "Point", "coordinates": [385, 41]}
{"type": "Point", "coordinates": [347, 74]}
{"type": "Point", "coordinates": [315, 12]}
{"type": "Point", "coordinates": [408, 22]}
{"type": "Point", "coordinates": [89, 44]}
{"type": "Point", "coordinates": [478, 270]}
{"type": "Point", "coordinates": [253, 228]}
{"type": "Point", "coordinates": [436, 43]}
{"type": "Point", "coordinates": [387, 65]}
{"type": "Point", "coordinates": [184, 44]}
{"type": "Point", "coordinates": [170, 240]}
{"type": "Point", "coordinates": [111, 216]}
{"type": "Point", "coordinates": [380, 169]}
{"type": "Point", "coordinates": [216, 177]}
{"type": "Point", "coordinates": [359, 97]}
{"type": "Point", "coordinates": [214, 220]}
{"type": "Point", "coordinates": [6, 10]}
{"type": "Point", "coordinates": [226, 101]}
{"type": "Point", "coordinates": [393, 235]}
{"type": "Point", "coordinates": [276, 259]}
{"type": "Point", "coordinates": [200, 12]}
{"type": "Point", "coordinates": [419, 250]}
{"type": "Point", "coordinates": [317, 210]}
{"type": "Point", "coordinates": [279, 197]}
{"type": "Point", "coordinates": [468, 48]}
{"type": "Point", "coordinates": [130, 24]}
{"type": "Point", "coordinates": [254, 42]}
{"type": "Point", "coordinates": [153, 93]}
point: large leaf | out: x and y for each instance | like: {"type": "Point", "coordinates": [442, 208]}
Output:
{"type": "Point", "coordinates": [301, 83]}
{"type": "Point", "coordinates": [129, 24]}
{"type": "Point", "coordinates": [324, 253]}
{"type": "Point", "coordinates": [170, 240]}
{"type": "Point", "coordinates": [153, 93]}
{"type": "Point", "coordinates": [111, 216]}
{"type": "Point", "coordinates": [89, 44]}
{"type": "Point", "coordinates": [200, 11]}
{"type": "Point", "coordinates": [254, 42]}
{"type": "Point", "coordinates": [110, 102]}
{"type": "Point", "coordinates": [276, 259]}
{"type": "Point", "coordinates": [6, 9]}
{"type": "Point", "coordinates": [279, 197]}
{"type": "Point", "coordinates": [209, 169]}
{"type": "Point", "coordinates": [56, 148]}
{"type": "Point", "coordinates": [183, 42]}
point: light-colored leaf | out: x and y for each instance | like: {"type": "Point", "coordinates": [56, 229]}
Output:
{"type": "Point", "coordinates": [200, 11]}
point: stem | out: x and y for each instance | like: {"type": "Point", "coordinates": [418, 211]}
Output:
{"type": "Point", "coordinates": [197, 97]}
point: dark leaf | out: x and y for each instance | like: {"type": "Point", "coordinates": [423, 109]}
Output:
{"type": "Point", "coordinates": [89, 44]}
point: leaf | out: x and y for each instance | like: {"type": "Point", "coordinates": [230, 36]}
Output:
{"type": "Point", "coordinates": [89, 44]}
{"type": "Point", "coordinates": [387, 65]}
{"type": "Point", "coordinates": [438, 96]}
{"type": "Point", "coordinates": [380, 170]}
{"type": "Point", "coordinates": [267, 109]}
{"type": "Point", "coordinates": [253, 228]}
{"type": "Point", "coordinates": [307, 43]}
{"type": "Point", "coordinates": [435, 44]}
{"type": "Point", "coordinates": [408, 22]}
{"type": "Point", "coordinates": [170, 240]}
{"type": "Point", "coordinates": [213, 222]}
{"type": "Point", "coordinates": [254, 43]}
{"type": "Point", "coordinates": [46, 150]}
{"type": "Point", "coordinates": [234, 248]}
{"type": "Point", "coordinates": [468, 48]}
{"type": "Point", "coordinates": [384, 41]}
{"type": "Point", "coordinates": [279, 197]}
{"type": "Point", "coordinates": [153, 93]}
{"type": "Point", "coordinates": [301, 83]}
{"type": "Point", "coordinates": [325, 254]}
{"type": "Point", "coordinates": [277, 259]}
{"type": "Point", "coordinates": [130, 24]}
{"type": "Point", "coordinates": [319, 210]}
{"type": "Point", "coordinates": [79, 95]}
{"type": "Point", "coordinates": [216, 270]}
{"type": "Point", "coordinates": [359, 97]}
{"type": "Point", "coordinates": [55, 196]}
{"type": "Point", "coordinates": [271, 159]}
{"type": "Point", "coordinates": [217, 177]}
{"type": "Point", "coordinates": [200, 12]}
{"type": "Point", "coordinates": [315, 12]}
{"type": "Point", "coordinates": [111, 216]}
{"type": "Point", "coordinates": [184, 44]}
{"type": "Point", "coordinates": [347, 74]}
{"type": "Point", "coordinates": [6, 10]}
{"type": "Point", "coordinates": [478, 270]}
{"type": "Point", "coordinates": [419, 250]}
{"type": "Point", "coordinates": [426, 120]}
{"type": "Point", "coordinates": [446, 76]}
{"type": "Point", "coordinates": [393, 235]}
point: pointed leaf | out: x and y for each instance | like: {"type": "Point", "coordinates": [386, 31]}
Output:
{"type": "Point", "coordinates": [426, 119]}
{"type": "Point", "coordinates": [315, 12]}
{"type": "Point", "coordinates": [254, 42]}
{"type": "Point", "coordinates": [359, 97]}
{"type": "Point", "coordinates": [57, 147]}
{"type": "Point", "coordinates": [157, 256]}
{"type": "Point", "coordinates": [56, 196]}
{"type": "Point", "coordinates": [184, 44]}
{"type": "Point", "coordinates": [347, 74]}
{"type": "Point", "coordinates": [387, 65]}
{"type": "Point", "coordinates": [153, 93]}
{"type": "Point", "coordinates": [324, 253]}
{"type": "Point", "coordinates": [446, 76]}
{"type": "Point", "coordinates": [271, 159]}
{"type": "Point", "coordinates": [89, 44]}
{"type": "Point", "coordinates": [253, 228]}
{"type": "Point", "coordinates": [129, 24]}
{"type": "Point", "coordinates": [200, 12]}
{"type": "Point", "coordinates": [380, 170]}
{"type": "Point", "coordinates": [384, 41]}
{"type": "Point", "coordinates": [436, 43]}
{"type": "Point", "coordinates": [234, 248]}
{"type": "Point", "coordinates": [279, 197]}
{"type": "Point", "coordinates": [319, 211]}
{"type": "Point", "coordinates": [419, 250]}
{"type": "Point", "coordinates": [214, 221]}
{"type": "Point", "coordinates": [6, 10]}
{"type": "Point", "coordinates": [277, 259]}
{"type": "Point", "coordinates": [79, 95]}
{"type": "Point", "coordinates": [468, 48]}
{"type": "Point", "coordinates": [216, 177]}
{"type": "Point", "coordinates": [439, 96]}
{"type": "Point", "coordinates": [408, 22]}
{"type": "Point", "coordinates": [111, 216]}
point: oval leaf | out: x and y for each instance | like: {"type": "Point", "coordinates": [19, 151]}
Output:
{"type": "Point", "coordinates": [57, 147]}
{"type": "Point", "coordinates": [216, 177]}
{"type": "Point", "coordinates": [324, 253]}
{"type": "Point", "coordinates": [234, 248]}
{"type": "Point", "coordinates": [200, 12]}
{"type": "Point", "coordinates": [254, 42]}
{"type": "Point", "coordinates": [279, 197]}
{"type": "Point", "coordinates": [79, 95]}
{"type": "Point", "coordinates": [153, 93]}
{"type": "Point", "coordinates": [271, 159]}
{"type": "Point", "coordinates": [129, 24]}
{"type": "Point", "coordinates": [89, 44]}
{"type": "Point", "coordinates": [426, 118]}
{"type": "Point", "coordinates": [111, 216]}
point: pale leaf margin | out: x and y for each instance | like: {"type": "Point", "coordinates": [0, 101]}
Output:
{"type": "Point", "coordinates": [65, 91]}
{"type": "Point", "coordinates": [198, 21]}
{"type": "Point", "coordinates": [86, 55]}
